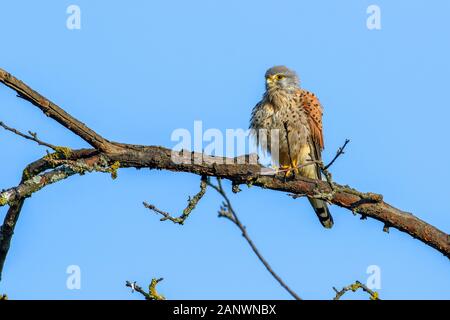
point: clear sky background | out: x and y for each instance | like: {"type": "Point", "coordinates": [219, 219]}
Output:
{"type": "Point", "coordinates": [137, 70]}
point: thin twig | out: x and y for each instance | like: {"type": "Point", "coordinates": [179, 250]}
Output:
{"type": "Point", "coordinates": [30, 136]}
{"type": "Point", "coordinates": [228, 212]}
{"type": "Point", "coordinates": [152, 293]}
{"type": "Point", "coordinates": [288, 145]}
{"type": "Point", "coordinates": [137, 288]}
{"type": "Point", "coordinates": [192, 203]}
{"type": "Point", "coordinates": [339, 152]}
{"type": "Point", "coordinates": [324, 168]}
{"type": "Point", "coordinates": [353, 287]}
{"type": "Point", "coordinates": [328, 177]}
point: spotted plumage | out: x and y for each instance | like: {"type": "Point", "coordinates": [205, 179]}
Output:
{"type": "Point", "coordinates": [296, 114]}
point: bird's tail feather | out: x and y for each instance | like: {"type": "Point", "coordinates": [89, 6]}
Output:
{"type": "Point", "coordinates": [323, 213]}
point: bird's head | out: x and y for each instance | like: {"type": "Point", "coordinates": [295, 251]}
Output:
{"type": "Point", "coordinates": [281, 77]}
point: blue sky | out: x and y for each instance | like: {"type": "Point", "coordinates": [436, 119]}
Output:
{"type": "Point", "coordinates": [138, 70]}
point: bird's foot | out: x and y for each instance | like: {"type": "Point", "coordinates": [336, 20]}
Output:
{"type": "Point", "coordinates": [289, 171]}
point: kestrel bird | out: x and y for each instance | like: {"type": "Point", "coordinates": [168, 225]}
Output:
{"type": "Point", "coordinates": [297, 115]}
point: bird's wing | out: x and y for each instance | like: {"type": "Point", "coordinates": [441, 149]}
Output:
{"type": "Point", "coordinates": [260, 113]}
{"type": "Point", "coordinates": [311, 104]}
{"type": "Point", "coordinates": [256, 116]}
{"type": "Point", "coordinates": [313, 110]}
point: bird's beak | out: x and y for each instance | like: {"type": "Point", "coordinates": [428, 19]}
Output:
{"type": "Point", "coordinates": [269, 81]}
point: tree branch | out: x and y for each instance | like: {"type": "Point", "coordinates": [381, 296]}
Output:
{"type": "Point", "coordinates": [339, 153]}
{"type": "Point", "coordinates": [66, 168]}
{"type": "Point", "coordinates": [109, 156]}
{"type": "Point", "coordinates": [152, 293]}
{"type": "Point", "coordinates": [56, 113]}
{"type": "Point", "coordinates": [7, 230]}
{"type": "Point", "coordinates": [30, 136]}
{"type": "Point", "coordinates": [353, 287]}
{"type": "Point", "coordinates": [192, 203]}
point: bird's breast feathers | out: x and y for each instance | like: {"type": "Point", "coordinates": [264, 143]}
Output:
{"type": "Point", "coordinates": [277, 109]}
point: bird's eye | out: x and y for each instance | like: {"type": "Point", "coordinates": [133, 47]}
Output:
{"type": "Point", "coordinates": [280, 76]}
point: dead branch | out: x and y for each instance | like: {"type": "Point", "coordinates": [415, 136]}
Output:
{"type": "Point", "coordinates": [354, 287]}
{"type": "Point", "coordinates": [339, 153]}
{"type": "Point", "coordinates": [152, 293]}
{"type": "Point", "coordinates": [192, 203]}
{"type": "Point", "coordinates": [108, 156]}
{"type": "Point", "coordinates": [53, 111]}
{"type": "Point", "coordinates": [30, 136]}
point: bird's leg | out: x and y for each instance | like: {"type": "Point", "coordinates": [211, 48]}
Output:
{"type": "Point", "coordinates": [291, 165]}
{"type": "Point", "coordinates": [295, 168]}
{"type": "Point", "coordinates": [284, 168]}
{"type": "Point", "coordinates": [290, 170]}
{"type": "Point", "coordinates": [287, 171]}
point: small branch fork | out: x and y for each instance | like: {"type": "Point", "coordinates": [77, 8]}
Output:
{"type": "Point", "coordinates": [354, 287]}
{"type": "Point", "coordinates": [152, 293]}
{"type": "Point", "coordinates": [324, 169]}
{"type": "Point", "coordinates": [339, 152]}
{"type": "Point", "coordinates": [192, 203]}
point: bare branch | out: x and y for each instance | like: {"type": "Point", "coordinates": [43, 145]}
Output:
{"type": "Point", "coordinates": [339, 152]}
{"type": "Point", "coordinates": [353, 287]}
{"type": "Point", "coordinates": [134, 287]}
{"type": "Point", "coordinates": [367, 204]}
{"type": "Point", "coordinates": [30, 136]}
{"type": "Point", "coordinates": [192, 203]}
{"type": "Point", "coordinates": [28, 187]}
{"type": "Point", "coordinates": [228, 212]}
{"type": "Point", "coordinates": [152, 294]}
{"type": "Point", "coordinates": [53, 111]}
{"type": "Point", "coordinates": [7, 230]}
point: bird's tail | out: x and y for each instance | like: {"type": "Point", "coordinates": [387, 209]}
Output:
{"type": "Point", "coordinates": [321, 209]}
